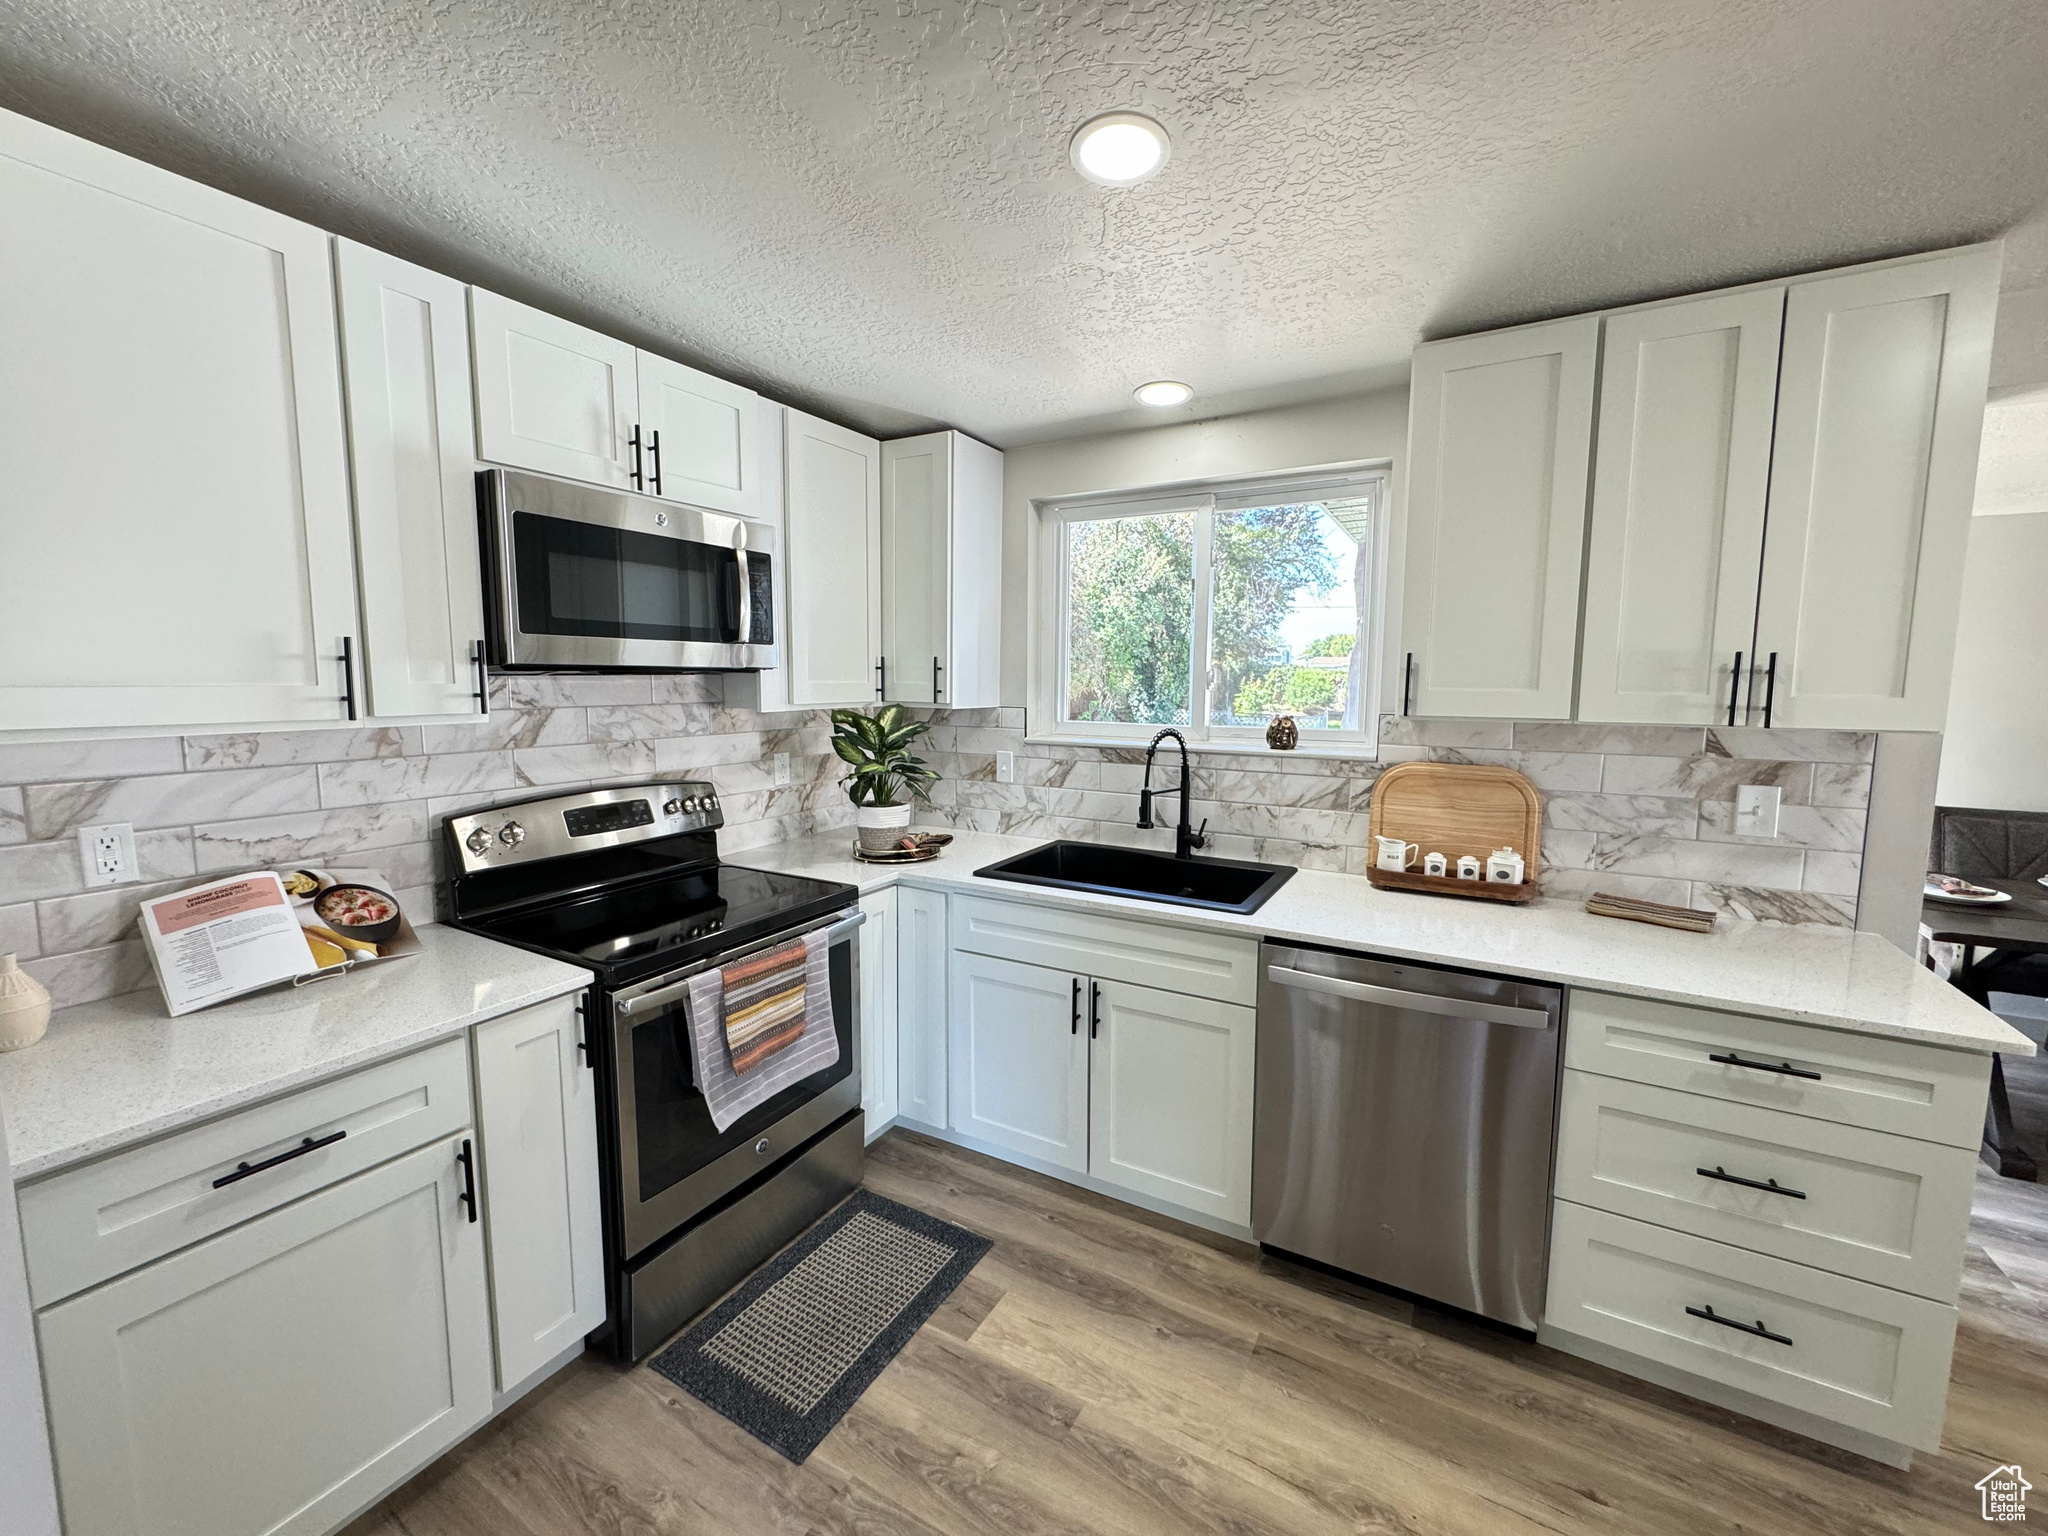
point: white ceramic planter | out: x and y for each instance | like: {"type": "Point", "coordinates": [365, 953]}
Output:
{"type": "Point", "coordinates": [880, 827]}
{"type": "Point", "coordinates": [24, 1006]}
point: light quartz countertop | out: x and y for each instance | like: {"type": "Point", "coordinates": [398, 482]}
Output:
{"type": "Point", "coordinates": [1811, 974]}
{"type": "Point", "coordinates": [113, 1073]}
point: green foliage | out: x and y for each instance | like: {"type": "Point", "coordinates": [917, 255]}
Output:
{"type": "Point", "coordinates": [1287, 689]}
{"type": "Point", "coordinates": [878, 748]}
{"type": "Point", "coordinates": [1330, 645]}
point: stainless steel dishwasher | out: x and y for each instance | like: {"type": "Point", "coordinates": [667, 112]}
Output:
{"type": "Point", "coordinates": [1403, 1125]}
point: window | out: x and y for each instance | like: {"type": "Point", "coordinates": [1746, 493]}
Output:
{"type": "Point", "coordinates": [1217, 610]}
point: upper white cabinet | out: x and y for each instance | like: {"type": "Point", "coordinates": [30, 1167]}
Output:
{"type": "Point", "coordinates": [1880, 406]}
{"type": "Point", "coordinates": [176, 508]}
{"type": "Point", "coordinates": [1681, 472]}
{"type": "Point", "coordinates": [942, 565]}
{"type": "Point", "coordinates": [412, 442]}
{"type": "Point", "coordinates": [1500, 429]}
{"type": "Point", "coordinates": [832, 624]}
{"type": "Point", "coordinates": [701, 436]}
{"type": "Point", "coordinates": [553, 396]}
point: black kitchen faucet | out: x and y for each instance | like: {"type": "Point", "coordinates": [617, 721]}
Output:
{"type": "Point", "coordinates": [1185, 841]}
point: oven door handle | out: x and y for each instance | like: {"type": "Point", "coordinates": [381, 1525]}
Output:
{"type": "Point", "coordinates": [675, 992]}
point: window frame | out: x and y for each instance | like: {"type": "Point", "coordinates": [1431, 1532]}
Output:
{"type": "Point", "coordinates": [1053, 613]}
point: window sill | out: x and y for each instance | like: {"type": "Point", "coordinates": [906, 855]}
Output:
{"type": "Point", "coordinates": [1353, 751]}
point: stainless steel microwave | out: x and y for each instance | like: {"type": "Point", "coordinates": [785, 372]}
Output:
{"type": "Point", "coordinates": [583, 577]}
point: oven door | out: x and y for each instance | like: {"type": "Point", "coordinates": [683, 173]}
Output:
{"type": "Point", "coordinates": [673, 1161]}
{"type": "Point", "coordinates": [584, 577]}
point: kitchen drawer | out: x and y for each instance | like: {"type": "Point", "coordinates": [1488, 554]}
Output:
{"type": "Point", "coordinates": [1872, 1081]}
{"type": "Point", "coordinates": [1888, 1209]}
{"type": "Point", "coordinates": [1860, 1355]}
{"type": "Point", "coordinates": [1113, 948]}
{"type": "Point", "coordinates": [87, 1224]}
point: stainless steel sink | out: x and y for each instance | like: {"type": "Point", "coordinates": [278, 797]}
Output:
{"type": "Point", "coordinates": [1222, 885]}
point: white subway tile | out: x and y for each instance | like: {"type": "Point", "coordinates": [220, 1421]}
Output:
{"type": "Point", "coordinates": [170, 800]}
{"type": "Point", "coordinates": [272, 749]}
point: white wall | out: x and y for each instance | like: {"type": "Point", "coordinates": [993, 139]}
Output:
{"type": "Point", "coordinates": [1371, 427]}
{"type": "Point", "coordinates": [28, 1496]}
{"type": "Point", "coordinates": [1995, 752]}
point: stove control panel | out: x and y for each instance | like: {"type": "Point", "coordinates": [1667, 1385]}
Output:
{"type": "Point", "coordinates": [600, 818]}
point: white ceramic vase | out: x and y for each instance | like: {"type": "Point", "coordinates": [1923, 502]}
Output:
{"type": "Point", "coordinates": [880, 827]}
{"type": "Point", "coordinates": [24, 1006]}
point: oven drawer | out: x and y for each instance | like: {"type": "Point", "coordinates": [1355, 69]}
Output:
{"type": "Point", "coordinates": [90, 1223]}
{"type": "Point", "coordinates": [1855, 1354]}
{"type": "Point", "coordinates": [1113, 948]}
{"type": "Point", "coordinates": [1888, 1209]}
{"type": "Point", "coordinates": [1872, 1081]}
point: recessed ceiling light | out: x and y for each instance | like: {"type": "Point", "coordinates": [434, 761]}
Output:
{"type": "Point", "coordinates": [1119, 149]}
{"type": "Point", "coordinates": [1163, 392]}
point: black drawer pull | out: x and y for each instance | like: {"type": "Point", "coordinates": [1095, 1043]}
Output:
{"type": "Point", "coordinates": [467, 1158]}
{"type": "Point", "coordinates": [244, 1170]}
{"type": "Point", "coordinates": [1758, 1331]}
{"type": "Point", "coordinates": [1783, 1069]}
{"type": "Point", "coordinates": [1768, 1186]}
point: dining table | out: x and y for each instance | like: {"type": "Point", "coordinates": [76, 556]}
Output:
{"type": "Point", "coordinates": [2007, 932]}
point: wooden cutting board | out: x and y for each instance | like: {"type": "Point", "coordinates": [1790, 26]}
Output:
{"type": "Point", "coordinates": [1454, 809]}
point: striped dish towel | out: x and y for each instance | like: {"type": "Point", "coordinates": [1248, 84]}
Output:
{"type": "Point", "coordinates": [816, 1046]}
{"type": "Point", "coordinates": [764, 1005]}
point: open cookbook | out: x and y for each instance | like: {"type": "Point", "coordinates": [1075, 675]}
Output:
{"type": "Point", "coordinates": [243, 933]}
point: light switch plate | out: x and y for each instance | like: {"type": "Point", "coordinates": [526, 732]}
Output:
{"type": "Point", "coordinates": [107, 853]}
{"type": "Point", "coordinates": [1006, 767]}
{"type": "Point", "coordinates": [1756, 810]}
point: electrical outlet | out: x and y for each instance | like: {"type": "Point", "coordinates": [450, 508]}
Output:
{"type": "Point", "coordinates": [782, 770]}
{"type": "Point", "coordinates": [1006, 767]}
{"type": "Point", "coordinates": [107, 853]}
{"type": "Point", "coordinates": [1756, 810]}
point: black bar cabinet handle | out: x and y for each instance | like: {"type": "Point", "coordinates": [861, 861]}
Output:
{"type": "Point", "coordinates": [634, 474]}
{"type": "Point", "coordinates": [1759, 1331]}
{"type": "Point", "coordinates": [1094, 1007]}
{"type": "Point", "coordinates": [1407, 681]}
{"type": "Point", "coordinates": [467, 1158]}
{"type": "Point", "coordinates": [1734, 686]}
{"type": "Point", "coordinates": [483, 679]}
{"type": "Point", "coordinates": [1074, 1020]}
{"type": "Point", "coordinates": [878, 677]}
{"type": "Point", "coordinates": [583, 1035]}
{"type": "Point", "coordinates": [245, 1170]}
{"type": "Point", "coordinates": [1768, 1186]}
{"type": "Point", "coordinates": [348, 674]}
{"type": "Point", "coordinates": [1770, 688]}
{"type": "Point", "coordinates": [1783, 1069]}
{"type": "Point", "coordinates": [935, 679]}
{"type": "Point", "coordinates": [654, 457]}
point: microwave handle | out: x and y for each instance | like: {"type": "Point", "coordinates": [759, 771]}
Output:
{"type": "Point", "coordinates": [674, 992]}
{"type": "Point", "coordinates": [746, 634]}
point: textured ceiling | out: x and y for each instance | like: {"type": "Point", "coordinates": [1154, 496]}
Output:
{"type": "Point", "coordinates": [865, 208]}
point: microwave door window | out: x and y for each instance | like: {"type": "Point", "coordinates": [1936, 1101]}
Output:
{"type": "Point", "coordinates": [614, 583]}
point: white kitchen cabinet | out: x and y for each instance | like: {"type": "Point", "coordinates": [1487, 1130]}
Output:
{"type": "Point", "coordinates": [921, 1006]}
{"type": "Point", "coordinates": [878, 1009]}
{"type": "Point", "coordinates": [552, 396]}
{"type": "Point", "coordinates": [1683, 467]}
{"type": "Point", "coordinates": [942, 571]}
{"type": "Point", "coordinates": [537, 1127]}
{"type": "Point", "coordinates": [1170, 1097]}
{"type": "Point", "coordinates": [1880, 407]}
{"type": "Point", "coordinates": [412, 448]}
{"type": "Point", "coordinates": [833, 555]}
{"type": "Point", "coordinates": [1499, 434]}
{"type": "Point", "coordinates": [701, 436]}
{"type": "Point", "coordinates": [176, 514]}
{"type": "Point", "coordinates": [767, 691]}
{"type": "Point", "coordinates": [1019, 1058]}
{"type": "Point", "coordinates": [281, 1375]}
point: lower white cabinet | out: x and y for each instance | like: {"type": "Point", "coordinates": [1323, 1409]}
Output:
{"type": "Point", "coordinates": [278, 1376]}
{"type": "Point", "coordinates": [877, 939]}
{"type": "Point", "coordinates": [537, 1119]}
{"type": "Point", "coordinates": [1019, 1060]}
{"type": "Point", "coordinates": [921, 1006]}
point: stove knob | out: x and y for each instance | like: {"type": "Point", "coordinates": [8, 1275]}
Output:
{"type": "Point", "coordinates": [690, 804]}
{"type": "Point", "coordinates": [511, 834]}
{"type": "Point", "coordinates": [711, 802]}
{"type": "Point", "coordinates": [672, 808]}
{"type": "Point", "coordinates": [478, 842]}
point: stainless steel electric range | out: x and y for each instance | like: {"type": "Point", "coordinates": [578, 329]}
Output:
{"type": "Point", "coordinates": [628, 883]}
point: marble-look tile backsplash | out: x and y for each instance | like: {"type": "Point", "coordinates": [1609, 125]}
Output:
{"type": "Point", "coordinates": [1638, 810]}
{"type": "Point", "coordinates": [211, 805]}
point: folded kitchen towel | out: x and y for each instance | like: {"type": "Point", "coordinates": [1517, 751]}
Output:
{"type": "Point", "coordinates": [764, 1004]}
{"type": "Point", "coordinates": [815, 1048]}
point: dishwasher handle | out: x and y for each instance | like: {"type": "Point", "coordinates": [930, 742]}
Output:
{"type": "Point", "coordinates": [1418, 1002]}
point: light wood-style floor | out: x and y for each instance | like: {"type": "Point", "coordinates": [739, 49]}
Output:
{"type": "Point", "coordinates": [1104, 1370]}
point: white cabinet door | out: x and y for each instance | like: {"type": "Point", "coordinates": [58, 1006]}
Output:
{"type": "Point", "coordinates": [175, 508]}
{"type": "Point", "coordinates": [917, 495]}
{"type": "Point", "coordinates": [276, 1378]}
{"type": "Point", "coordinates": [1500, 427]}
{"type": "Point", "coordinates": [1880, 406]}
{"type": "Point", "coordinates": [768, 690]}
{"type": "Point", "coordinates": [553, 396]}
{"type": "Point", "coordinates": [833, 490]}
{"type": "Point", "coordinates": [878, 993]}
{"type": "Point", "coordinates": [1682, 470]}
{"type": "Point", "coordinates": [537, 1124]}
{"type": "Point", "coordinates": [701, 436]}
{"type": "Point", "coordinates": [412, 446]}
{"type": "Point", "coordinates": [1019, 1058]}
{"type": "Point", "coordinates": [921, 1005]}
{"type": "Point", "coordinates": [1170, 1106]}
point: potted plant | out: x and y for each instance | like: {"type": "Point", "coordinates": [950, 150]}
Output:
{"type": "Point", "coordinates": [885, 776]}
